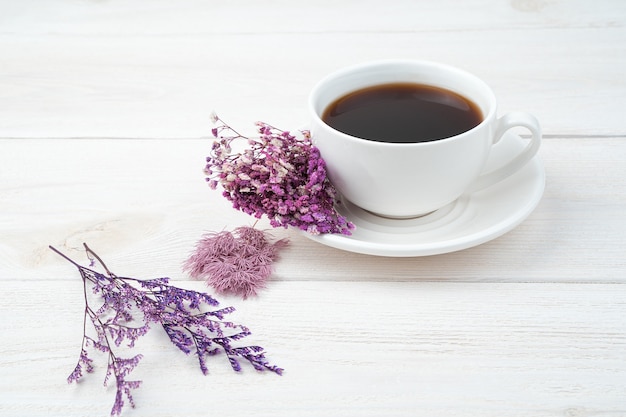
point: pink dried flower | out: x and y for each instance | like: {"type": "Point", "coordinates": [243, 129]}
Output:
{"type": "Point", "coordinates": [280, 175]}
{"type": "Point", "coordinates": [238, 263]}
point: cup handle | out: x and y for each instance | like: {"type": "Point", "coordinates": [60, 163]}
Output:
{"type": "Point", "coordinates": [504, 123]}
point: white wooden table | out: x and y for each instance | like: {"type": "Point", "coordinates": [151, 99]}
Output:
{"type": "Point", "coordinates": [104, 126]}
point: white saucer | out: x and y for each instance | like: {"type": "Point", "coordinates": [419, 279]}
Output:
{"type": "Point", "coordinates": [471, 220]}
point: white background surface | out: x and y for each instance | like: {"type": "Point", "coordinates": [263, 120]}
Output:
{"type": "Point", "coordinates": [104, 126]}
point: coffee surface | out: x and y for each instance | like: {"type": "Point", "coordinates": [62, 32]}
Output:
{"type": "Point", "coordinates": [402, 113]}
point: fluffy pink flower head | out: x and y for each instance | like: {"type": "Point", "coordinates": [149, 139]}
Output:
{"type": "Point", "coordinates": [238, 263]}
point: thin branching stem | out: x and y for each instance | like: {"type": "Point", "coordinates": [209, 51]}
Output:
{"type": "Point", "coordinates": [181, 313]}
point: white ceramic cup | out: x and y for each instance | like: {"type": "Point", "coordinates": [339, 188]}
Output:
{"type": "Point", "coordinates": [403, 180]}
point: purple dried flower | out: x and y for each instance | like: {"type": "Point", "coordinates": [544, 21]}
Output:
{"type": "Point", "coordinates": [239, 263]}
{"type": "Point", "coordinates": [77, 373]}
{"type": "Point", "coordinates": [280, 175]}
{"type": "Point", "coordinates": [182, 313]}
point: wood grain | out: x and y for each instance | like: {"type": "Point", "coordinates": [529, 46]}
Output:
{"type": "Point", "coordinates": [351, 348]}
{"type": "Point", "coordinates": [104, 125]}
{"type": "Point", "coordinates": [146, 202]}
{"type": "Point", "coordinates": [156, 69]}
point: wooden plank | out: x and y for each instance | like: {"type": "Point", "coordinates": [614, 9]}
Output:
{"type": "Point", "coordinates": [349, 348]}
{"type": "Point", "coordinates": [167, 18]}
{"type": "Point", "coordinates": [145, 202]}
{"type": "Point", "coordinates": [155, 70]}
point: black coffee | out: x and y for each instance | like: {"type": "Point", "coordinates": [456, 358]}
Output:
{"type": "Point", "coordinates": [402, 113]}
